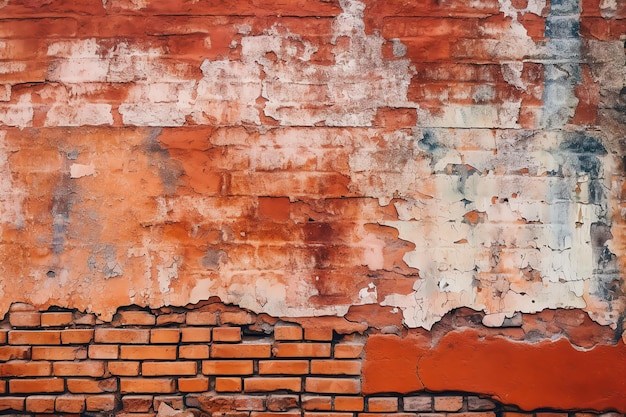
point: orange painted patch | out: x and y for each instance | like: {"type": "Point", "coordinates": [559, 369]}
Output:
{"type": "Point", "coordinates": [547, 374]}
{"type": "Point", "coordinates": [391, 364]}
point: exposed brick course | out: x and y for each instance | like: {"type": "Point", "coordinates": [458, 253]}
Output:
{"type": "Point", "coordinates": [258, 374]}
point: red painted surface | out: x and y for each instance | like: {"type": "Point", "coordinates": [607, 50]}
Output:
{"type": "Point", "coordinates": [547, 374]}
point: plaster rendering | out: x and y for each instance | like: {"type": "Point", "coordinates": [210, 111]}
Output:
{"type": "Point", "coordinates": [498, 199]}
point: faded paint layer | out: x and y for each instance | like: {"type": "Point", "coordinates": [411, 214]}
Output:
{"type": "Point", "coordinates": [305, 161]}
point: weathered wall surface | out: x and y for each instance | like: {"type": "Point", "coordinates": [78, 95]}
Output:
{"type": "Point", "coordinates": [415, 168]}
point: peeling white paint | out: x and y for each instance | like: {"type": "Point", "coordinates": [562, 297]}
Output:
{"type": "Point", "coordinates": [20, 114]}
{"type": "Point", "coordinates": [527, 249]}
{"type": "Point", "coordinates": [369, 294]}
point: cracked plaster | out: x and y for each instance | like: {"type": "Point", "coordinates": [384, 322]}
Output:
{"type": "Point", "coordinates": [531, 248]}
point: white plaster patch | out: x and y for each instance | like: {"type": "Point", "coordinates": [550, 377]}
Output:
{"type": "Point", "coordinates": [608, 8]}
{"type": "Point", "coordinates": [5, 92]}
{"type": "Point", "coordinates": [81, 170]}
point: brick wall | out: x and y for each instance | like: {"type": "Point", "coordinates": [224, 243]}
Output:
{"type": "Point", "coordinates": [218, 360]}
{"type": "Point", "coordinates": [377, 206]}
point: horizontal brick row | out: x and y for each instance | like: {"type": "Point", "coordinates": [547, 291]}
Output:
{"type": "Point", "coordinates": [72, 403]}
{"type": "Point", "coordinates": [185, 351]}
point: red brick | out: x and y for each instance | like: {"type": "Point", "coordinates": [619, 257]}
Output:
{"type": "Point", "coordinates": [106, 402]}
{"type": "Point", "coordinates": [62, 318]}
{"type": "Point", "coordinates": [8, 353]}
{"type": "Point", "coordinates": [448, 403]}
{"type": "Point", "coordinates": [282, 402]}
{"type": "Point", "coordinates": [168, 368]}
{"type": "Point", "coordinates": [39, 385]}
{"type": "Point", "coordinates": [136, 415]}
{"type": "Point", "coordinates": [336, 367]}
{"type": "Point", "coordinates": [137, 403]}
{"type": "Point", "coordinates": [193, 384]}
{"type": "Point", "coordinates": [275, 208]}
{"type": "Point", "coordinates": [147, 385]}
{"type": "Point", "coordinates": [348, 350]}
{"type": "Point", "coordinates": [193, 352]}
{"type": "Point", "coordinates": [227, 334]}
{"type": "Point", "coordinates": [196, 334]}
{"type": "Point", "coordinates": [302, 350]}
{"type": "Point", "coordinates": [148, 352]}
{"type": "Point", "coordinates": [86, 368]}
{"type": "Point", "coordinates": [493, 414]}
{"type": "Point", "coordinates": [382, 404]}
{"type": "Point", "coordinates": [177, 402]}
{"type": "Point", "coordinates": [103, 335]}
{"type": "Point", "coordinates": [3, 387]}
{"type": "Point", "coordinates": [22, 307]}
{"type": "Point", "coordinates": [164, 336]}
{"type": "Point", "coordinates": [84, 319]}
{"type": "Point", "coordinates": [175, 318]}
{"type": "Point", "coordinates": [418, 403]}
{"type": "Point", "coordinates": [316, 403]}
{"type": "Point", "coordinates": [318, 334]}
{"type": "Point", "coordinates": [333, 385]}
{"type": "Point", "coordinates": [236, 317]}
{"type": "Point", "coordinates": [228, 384]}
{"type": "Point", "coordinates": [241, 367]}
{"type": "Point", "coordinates": [201, 318]}
{"type": "Point", "coordinates": [349, 403]}
{"type": "Point", "coordinates": [284, 367]}
{"type": "Point", "coordinates": [40, 403]}
{"type": "Point", "coordinates": [12, 403]}
{"type": "Point", "coordinates": [76, 336]}
{"type": "Point", "coordinates": [22, 368]}
{"type": "Point", "coordinates": [58, 353]}
{"type": "Point", "coordinates": [91, 386]}
{"type": "Point", "coordinates": [123, 368]}
{"type": "Point", "coordinates": [272, 384]}
{"type": "Point", "coordinates": [3, 336]}
{"type": "Point", "coordinates": [35, 337]}
{"type": "Point", "coordinates": [401, 415]}
{"type": "Point", "coordinates": [245, 350]}
{"type": "Point", "coordinates": [136, 318]}
{"type": "Point", "coordinates": [313, 414]}
{"type": "Point", "coordinates": [70, 404]}
{"type": "Point", "coordinates": [480, 404]}
{"type": "Point", "coordinates": [104, 351]}
{"type": "Point", "coordinates": [287, 332]}
{"type": "Point", "coordinates": [25, 319]}
{"type": "Point", "coordinates": [222, 403]}
{"type": "Point", "coordinates": [272, 414]}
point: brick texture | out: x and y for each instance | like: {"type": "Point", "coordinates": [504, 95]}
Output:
{"type": "Point", "coordinates": [341, 208]}
{"type": "Point", "coordinates": [129, 369]}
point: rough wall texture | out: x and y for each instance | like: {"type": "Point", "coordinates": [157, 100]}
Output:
{"type": "Point", "coordinates": [442, 178]}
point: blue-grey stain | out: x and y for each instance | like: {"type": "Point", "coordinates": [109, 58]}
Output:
{"type": "Point", "coordinates": [169, 170]}
{"type": "Point", "coordinates": [213, 258]}
{"type": "Point", "coordinates": [581, 153]}
{"type": "Point", "coordinates": [562, 70]}
{"type": "Point", "coordinates": [61, 206]}
{"type": "Point", "coordinates": [431, 145]}
{"type": "Point", "coordinates": [463, 172]}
